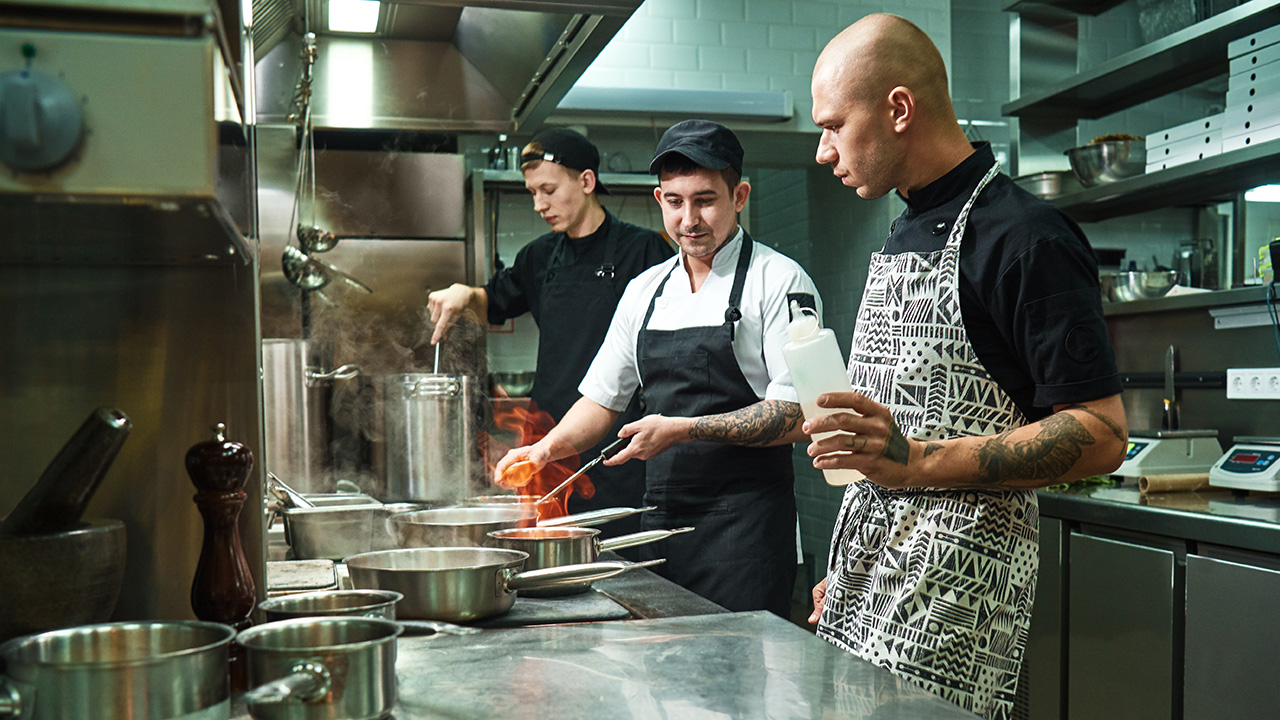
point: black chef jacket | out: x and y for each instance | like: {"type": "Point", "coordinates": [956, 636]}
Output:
{"type": "Point", "coordinates": [1028, 286]}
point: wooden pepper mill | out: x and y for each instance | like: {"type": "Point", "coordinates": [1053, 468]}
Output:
{"type": "Point", "coordinates": [223, 587]}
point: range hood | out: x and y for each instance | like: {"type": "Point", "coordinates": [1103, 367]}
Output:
{"type": "Point", "coordinates": [441, 65]}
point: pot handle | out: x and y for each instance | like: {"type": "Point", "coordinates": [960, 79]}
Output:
{"type": "Point", "coordinates": [16, 699]}
{"type": "Point", "coordinates": [569, 575]}
{"type": "Point", "coordinates": [305, 682]}
{"type": "Point", "coordinates": [640, 538]}
{"type": "Point", "coordinates": [345, 372]}
{"type": "Point", "coordinates": [435, 626]}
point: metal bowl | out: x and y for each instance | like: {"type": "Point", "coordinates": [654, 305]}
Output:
{"type": "Point", "coordinates": [1124, 286]}
{"type": "Point", "coordinates": [1108, 161]}
{"type": "Point", "coordinates": [1049, 184]}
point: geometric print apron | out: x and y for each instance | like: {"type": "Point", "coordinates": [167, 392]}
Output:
{"type": "Point", "coordinates": [933, 585]}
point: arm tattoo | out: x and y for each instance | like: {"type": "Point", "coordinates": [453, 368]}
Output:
{"type": "Point", "coordinates": [931, 448]}
{"type": "Point", "coordinates": [1121, 435]}
{"type": "Point", "coordinates": [1047, 456]}
{"type": "Point", "coordinates": [896, 447]}
{"type": "Point", "coordinates": [758, 425]}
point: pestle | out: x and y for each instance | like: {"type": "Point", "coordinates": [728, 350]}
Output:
{"type": "Point", "coordinates": [58, 499]}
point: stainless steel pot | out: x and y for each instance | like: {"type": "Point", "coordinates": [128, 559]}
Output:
{"type": "Point", "coordinates": [465, 584]}
{"type": "Point", "coordinates": [296, 400]}
{"type": "Point", "coordinates": [559, 546]}
{"type": "Point", "coordinates": [334, 532]}
{"type": "Point", "coordinates": [457, 526]}
{"type": "Point", "coordinates": [424, 440]}
{"type": "Point", "coordinates": [358, 603]}
{"type": "Point", "coordinates": [321, 668]}
{"type": "Point", "coordinates": [123, 671]}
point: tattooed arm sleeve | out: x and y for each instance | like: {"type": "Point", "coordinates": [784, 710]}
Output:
{"type": "Point", "coordinates": [1053, 449]}
{"type": "Point", "coordinates": [768, 422]}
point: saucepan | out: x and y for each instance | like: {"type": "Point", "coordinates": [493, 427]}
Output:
{"type": "Point", "coordinates": [332, 533]}
{"type": "Point", "coordinates": [352, 603]}
{"type": "Point", "coordinates": [558, 546]}
{"type": "Point", "coordinates": [469, 526]}
{"type": "Point", "coordinates": [321, 668]}
{"type": "Point", "coordinates": [467, 583]}
{"type": "Point", "coordinates": [127, 671]}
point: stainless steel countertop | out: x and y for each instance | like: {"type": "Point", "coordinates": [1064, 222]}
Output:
{"type": "Point", "coordinates": [730, 665]}
{"type": "Point", "coordinates": [1251, 522]}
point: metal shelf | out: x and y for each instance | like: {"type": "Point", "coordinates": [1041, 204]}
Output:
{"type": "Point", "coordinates": [1195, 183]}
{"type": "Point", "coordinates": [1177, 61]}
{"type": "Point", "coordinates": [1078, 7]}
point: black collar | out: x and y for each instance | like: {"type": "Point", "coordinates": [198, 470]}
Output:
{"type": "Point", "coordinates": [960, 180]}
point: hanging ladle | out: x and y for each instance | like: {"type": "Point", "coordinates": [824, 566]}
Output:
{"type": "Point", "coordinates": [316, 240]}
{"type": "Point", "coordinates": [309, 273]}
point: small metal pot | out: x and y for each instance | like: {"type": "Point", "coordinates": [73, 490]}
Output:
{"type": "Point", "coordinates": [358, 603]}
{"type": "Point", "coordinates": [124, 671]}
{"type": "Point", "coordinates": [321, 668]}
{"type": "Point", "coordinates": [457, 526]}
{"type": "Point", "coordinates": [332, 533]}
{"type": "Point", "coordinates": [558, 546]}
{"type": "Point", "coordinates": [465, 584]}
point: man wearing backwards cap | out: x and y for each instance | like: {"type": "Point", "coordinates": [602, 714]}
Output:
{"type": "Point", "coordinates": [702, 334]}
{"type": "Point", "coordinates": [570, 280]}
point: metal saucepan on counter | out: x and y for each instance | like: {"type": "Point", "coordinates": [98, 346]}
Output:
{"type": "Point", "coordinates": [351, 603]}
{"type": "Point", "coordinates": [321, 668]}
{"type": "Point", "coordinates": [332, 533]}
{"type": "Point", "coordinates": [124, 671]}
{"type": "Point", "coordinates": [559, 546]}
{"type": "Point", "coordinates": [466, 584]}
{"type": "Point", "coordinates": [470, 526]}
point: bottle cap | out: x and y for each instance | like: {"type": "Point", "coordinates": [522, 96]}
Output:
{"type": "Point", "coordinates": [804, 322]}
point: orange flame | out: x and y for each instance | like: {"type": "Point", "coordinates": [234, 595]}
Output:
{"type": "Point", "coordinates": [527, 425]}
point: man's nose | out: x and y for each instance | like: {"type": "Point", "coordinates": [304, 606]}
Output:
{"type": "Point", "coordinates": [826, 153]}
{"type": "Point", "coordinates": [539, 203]}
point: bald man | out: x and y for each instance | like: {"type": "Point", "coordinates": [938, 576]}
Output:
{"type": "Point", "coordinates": [982, 370]}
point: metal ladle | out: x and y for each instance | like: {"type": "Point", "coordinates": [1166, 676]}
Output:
{"type": "Point", "coordinates": [316, 240]}
{"type": "Point", "coordinates": [309, 273]}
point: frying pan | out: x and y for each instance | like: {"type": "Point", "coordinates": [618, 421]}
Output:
{"type": "Point", "coordinates": [550, 547]}
{"type": "Point", "coordinates": [465, 584]}
{"type": "Point", "coordinates": [469, 526]}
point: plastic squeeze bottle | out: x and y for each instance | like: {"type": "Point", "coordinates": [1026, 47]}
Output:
{"type": "Point", "coordinates": [813, 358]}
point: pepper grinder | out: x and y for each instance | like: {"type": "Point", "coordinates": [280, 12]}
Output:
{"type": "Point", "coordinates": [223, 587]}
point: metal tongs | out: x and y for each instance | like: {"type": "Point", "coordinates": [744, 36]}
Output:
{"type": "Point", "coordinates": [612, 449]}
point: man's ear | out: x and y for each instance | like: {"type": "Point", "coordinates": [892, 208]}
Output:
{"type": "Point", "coordinates": [902, 107]}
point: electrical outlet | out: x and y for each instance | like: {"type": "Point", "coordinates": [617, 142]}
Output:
{"type": "Point", "coordinates": [1253, 383]}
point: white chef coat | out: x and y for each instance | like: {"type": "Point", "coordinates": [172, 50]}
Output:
{"type": "Point", "coordinates": [758, 337]}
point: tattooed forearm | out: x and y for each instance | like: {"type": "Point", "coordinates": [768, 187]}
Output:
{"type": "Point", "coordinates": [896, 447]}
{"type": "Point", "coordinates": [1115, 428]}
{"type": "Point", "coordinates": [1047, 456]}
{"type": "Point", "coordinates": [931, 448]}
{"type": "Point", "coordinates": [758, 425]}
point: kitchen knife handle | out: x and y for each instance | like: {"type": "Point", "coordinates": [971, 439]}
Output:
{"type": "Point", "coordinates": [615, 447]}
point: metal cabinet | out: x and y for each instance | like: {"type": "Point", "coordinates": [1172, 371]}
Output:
{"type": "Point", "coordinates": [1040, 685]}
{"type": "Point", "coordinates": [1233, 633]}
{"type": "Point", "coordinates": [1124, 620]}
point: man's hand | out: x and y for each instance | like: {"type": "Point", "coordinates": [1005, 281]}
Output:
{"type": "Point", "coordinates": [445, 306]}
{"type": "Point", "coordinates": [819, 594]}
{"type": "Point", "coordinates": [867, 439]}
{"type": "Point", "coordinates": [650, 436]}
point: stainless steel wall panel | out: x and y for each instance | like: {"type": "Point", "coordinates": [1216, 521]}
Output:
{"type": "Point", "coordinates": [390, 194]}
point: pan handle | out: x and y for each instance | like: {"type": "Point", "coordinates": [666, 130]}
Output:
{"type": "Point", "coordinates": [435, 626]}
{"type": "Point", "coordinates": [570, 575]}
{"type": "Point", "coordinates": [16, 699]}
{"type": "Point", "coordinates": [305, 682]}
{"type": "Point", "coordinates": [640, 538]}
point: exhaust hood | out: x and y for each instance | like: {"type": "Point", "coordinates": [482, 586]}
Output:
{"type": "Point", "coordinates": [442, 65]}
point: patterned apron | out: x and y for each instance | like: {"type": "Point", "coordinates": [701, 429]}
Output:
{"type": "Point", "coordinates": [935, 586]}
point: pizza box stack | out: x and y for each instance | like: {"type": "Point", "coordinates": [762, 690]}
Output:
{"type": "Point", "coordinates": [1252, 112]}
{"type": "Point", "coordinates": [1184, 143]}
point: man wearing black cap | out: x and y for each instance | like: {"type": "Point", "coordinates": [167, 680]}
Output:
{"type": "Point", "coordinates": [702, 334]}
{"type": "Point", "coordinates": [570, 280]}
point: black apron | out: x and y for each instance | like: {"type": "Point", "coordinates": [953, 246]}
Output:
{"type": "Point", "coordinates": [741, 500]}
{"type": "Point", "coordinates": [577, 304]}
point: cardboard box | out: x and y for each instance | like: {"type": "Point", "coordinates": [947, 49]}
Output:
{"type": "Point", "coordinates": [1254, 42]}
{"type": "Point", "coordinates": [1244, 92]}
{"type": "Point", "coordinates": [1239, 142]}
{"type": "Point", "coordinates": [1185, 131]}
{"type": "Point", "coordinates": [1254, 60]}
{"type": "Point", "coordinates": [1256, 114]}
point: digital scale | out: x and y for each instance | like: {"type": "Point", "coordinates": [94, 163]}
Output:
{"type": "Point", "coordinates": [1253, 463]}
{"type": "Point", "coordinates": [1168, 452]}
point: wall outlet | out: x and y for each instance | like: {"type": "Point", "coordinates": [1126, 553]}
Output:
{"type": "Point", "coordinates": [1253, 383]}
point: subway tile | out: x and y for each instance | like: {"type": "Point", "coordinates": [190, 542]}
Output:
{"type": "Point", "coordinates": [646, 78]}
{"type": "Point", "coordinates": [647, 30]}
{"type": "Point", "coordinates": [768, 11]}
{"type": "Point", "coordinates": [694, 80]}
{"type": "Point", "coordinates": [744, 35]}
{"type": "Point", "coordinates": [722, 60]}
{"type": "Point", "coordinates": [763, 61]}
{"type": "Point", "coordinates": [698, 33]}
{"type": "Point", "coordinates": [814, 14]}
{"type": "Point", "coordinates": [668, 8]}
{"type": "Point", "coordinates": [721, 9]}
{"type": "Point", "coordinates": [788, 37]}
{"type": "Point", "coordinates": [621, 54]}
{"type": "Point", "coordinates": [674, 57]}
{"type": "Point", "coordinates": [803, 63]}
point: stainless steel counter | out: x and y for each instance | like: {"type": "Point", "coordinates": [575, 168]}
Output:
{"type": "Point", "coordinates": [1219, 517]}
{"type": "Point", "coordinates": [729, 665]}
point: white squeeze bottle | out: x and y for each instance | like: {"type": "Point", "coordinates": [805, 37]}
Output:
{"type": "Point", "coordinates": [814, 361]}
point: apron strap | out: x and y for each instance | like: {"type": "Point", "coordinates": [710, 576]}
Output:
{"type": "Point", "coordinates": [732, 314]}
{"type": "Point", "coordinates": [607, 269]}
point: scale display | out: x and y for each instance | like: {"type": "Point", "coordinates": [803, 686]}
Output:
{"type": "Point", "coordinates": [1248, 467]}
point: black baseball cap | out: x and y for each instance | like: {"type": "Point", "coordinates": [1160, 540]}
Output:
{"type": "Point", "coordinates": [563, 146]}
{"type": "Point", "coordinates": [707, 143]}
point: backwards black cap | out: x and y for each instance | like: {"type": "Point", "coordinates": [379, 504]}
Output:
{"type": "Point", "coordinates": [570, 149]}
{"type": "Point", "coordinates": [707, 143]}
